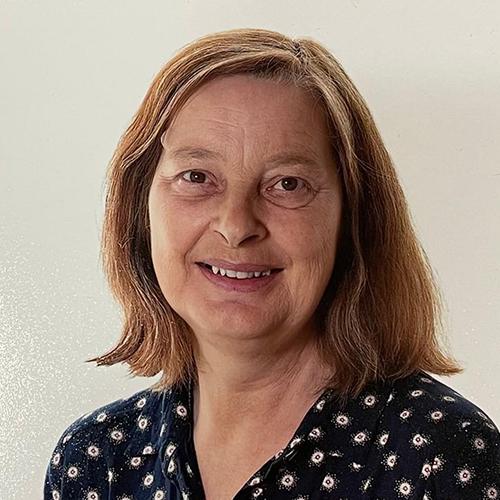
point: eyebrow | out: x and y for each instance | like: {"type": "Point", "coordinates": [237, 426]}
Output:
{"type": "Point", "coordinates": [286, 158]}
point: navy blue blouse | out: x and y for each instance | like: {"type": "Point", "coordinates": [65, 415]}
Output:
{"type": "Point", "coordinates": [415, 438]}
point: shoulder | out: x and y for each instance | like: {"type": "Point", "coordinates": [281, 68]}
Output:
{"type": "Point", "coordinates": [424, 397]}
{"type": "Point", "coordinates": [425, 401]}
{"type": "Point", "coordinates": [115, 420]}
{"type": "Point", "coordinates": [460, 440]}
{"type": "Point", "coordinates": [85, 445]}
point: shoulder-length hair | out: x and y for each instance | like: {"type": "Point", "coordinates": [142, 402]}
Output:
{"type": "Point", "coordinates": [380, 317]}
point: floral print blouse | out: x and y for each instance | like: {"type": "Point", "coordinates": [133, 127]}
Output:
{"type": "Point", "coordinates": [415, 438]}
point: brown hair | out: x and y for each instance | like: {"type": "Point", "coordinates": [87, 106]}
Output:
{"type": "Point", "coordinates": [380, 315]}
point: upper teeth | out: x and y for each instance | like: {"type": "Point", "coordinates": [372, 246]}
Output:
{"type": "Point", "coordinates": [239, 274]}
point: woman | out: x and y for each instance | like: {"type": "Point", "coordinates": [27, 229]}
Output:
{"type": "Point", "coordinates": [261, 246]}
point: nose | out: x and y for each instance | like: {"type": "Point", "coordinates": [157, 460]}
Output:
{"type": "Point", "coordinates": [236, 219]}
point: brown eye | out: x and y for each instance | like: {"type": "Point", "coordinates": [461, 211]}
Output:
{"type": "Point", "coordinates": [293, 193]}
{"type": "Point", "coordinates": [289, 183]}
{"type": "Point", "coordinates": [194, 177]}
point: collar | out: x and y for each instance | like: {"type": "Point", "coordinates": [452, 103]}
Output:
{"type": "Point", "coordinates": [164, 427]}
{"type": "Point", "coordinates": [164, 424]}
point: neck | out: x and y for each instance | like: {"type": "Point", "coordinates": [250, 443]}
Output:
{"type": "Point", "coordinates": [240, 392]}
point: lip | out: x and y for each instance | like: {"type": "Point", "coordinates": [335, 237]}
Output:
{"type": "Point", "coordinates": [241, 266]}
{"type": "Point", "coordinates": [238, 285]}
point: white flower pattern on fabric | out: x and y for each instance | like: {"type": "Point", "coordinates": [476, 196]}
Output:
{"type": "Point", "coordinates": [414, 438]}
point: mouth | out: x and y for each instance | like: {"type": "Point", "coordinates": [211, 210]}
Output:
{"type": "Point", "coordinates": [240, 281]}
{"type": "Point", "coordinates": [209, 266]}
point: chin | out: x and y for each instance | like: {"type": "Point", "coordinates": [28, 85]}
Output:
{"type": "Point", "coordinates": [231, 326]}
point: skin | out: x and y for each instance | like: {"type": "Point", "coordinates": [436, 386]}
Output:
{"type": "Point", "coordinates": [257, 365]}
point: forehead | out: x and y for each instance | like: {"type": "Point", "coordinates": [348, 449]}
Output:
{"type": "Point", "coordinates": [237, 108]}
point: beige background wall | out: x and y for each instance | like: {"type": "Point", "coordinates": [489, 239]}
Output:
{"type": "Point", "coordinates": [74, 72]}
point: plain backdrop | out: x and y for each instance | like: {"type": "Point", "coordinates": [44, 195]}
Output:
{"type": "Point", "coordinates": [72, 75]}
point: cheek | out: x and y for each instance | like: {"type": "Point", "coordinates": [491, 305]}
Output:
{"type": "Point", "coordinates": [314, 252]}
{"type": "Point", "coordinates": [173, 235]}
{"type": "Point", "coordinates": [311, 240]}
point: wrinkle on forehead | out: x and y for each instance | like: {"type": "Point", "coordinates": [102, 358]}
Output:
{"type": "Point", "coordinates": [256, 119]}
{"type": "Point", "coordinates": [242, 96]}
{"type": "Point", "coordinates": [225, 135]}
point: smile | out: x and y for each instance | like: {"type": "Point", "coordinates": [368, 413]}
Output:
{"type": "Point", "coordinates": [238, 281]}
{"type": "Point", "coordinates": [238, 274]}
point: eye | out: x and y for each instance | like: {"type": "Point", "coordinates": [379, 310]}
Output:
{"type": "Point", "coordinates": [290, 184]}
{"type": "Point", "coordinates": [194, 176]}
{"type": "Point", "coordinates": [295, 192]}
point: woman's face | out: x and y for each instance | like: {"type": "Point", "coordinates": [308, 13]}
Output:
{"type": "Point", "coordinates": [231, 184]}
